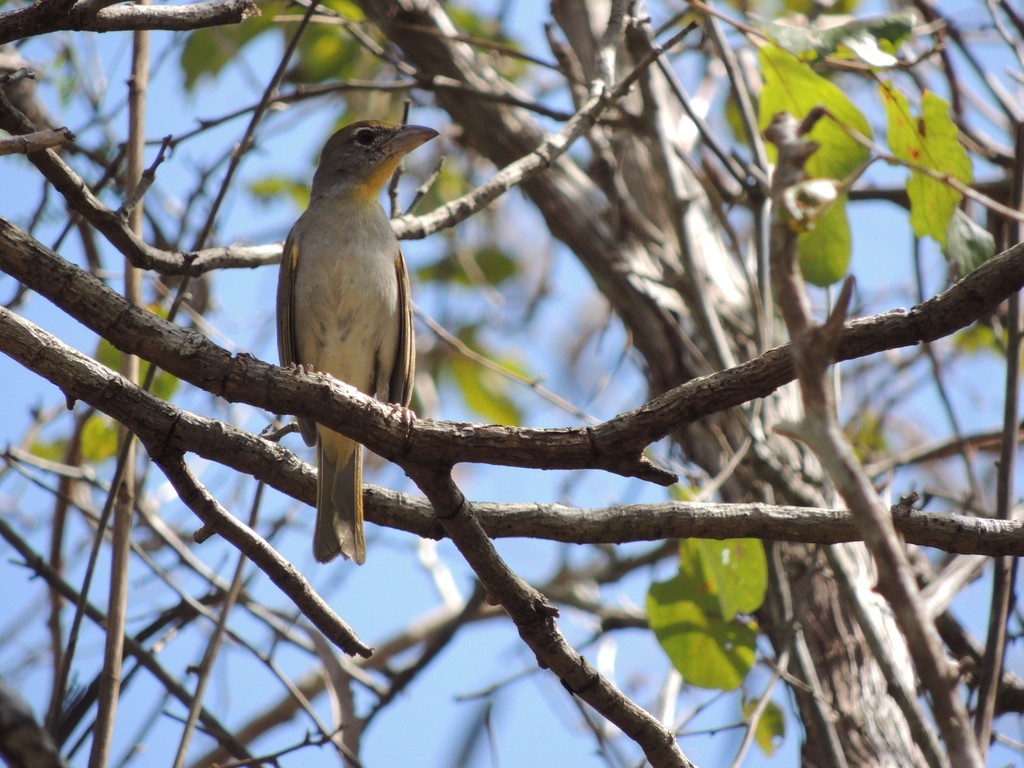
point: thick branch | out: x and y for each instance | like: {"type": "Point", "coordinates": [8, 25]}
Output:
{"type": "Point", "coordinates": [167, 431]}
{"type": "Point", "coordinates": [615, 446]}
{"type": "Point", "coordinates": [535, 618]}
{"type": "Point", "coordinates": [45, 17]}
{"type": "Point", "coordinates": [160, 426]}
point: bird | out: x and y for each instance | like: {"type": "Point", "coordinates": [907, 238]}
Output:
{"type": "Point", "coordinates": [343, 308]}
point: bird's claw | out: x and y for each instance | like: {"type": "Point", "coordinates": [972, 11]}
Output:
{"type": "Point", "coordinates": [406, 415]}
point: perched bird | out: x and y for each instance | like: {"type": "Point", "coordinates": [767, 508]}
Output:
{"type": "Point", "coordinates": [343, 308]}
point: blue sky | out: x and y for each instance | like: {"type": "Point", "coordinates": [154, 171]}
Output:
{"type": "Point", "coordinates": [534, 722]}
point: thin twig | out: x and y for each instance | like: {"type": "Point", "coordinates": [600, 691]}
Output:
{"type": "Point", "coordinates": [521, 170]}
{"type": "Point", "coordinates": [205, 668]}
{"type": "Point", "coordinates": [123, 490]}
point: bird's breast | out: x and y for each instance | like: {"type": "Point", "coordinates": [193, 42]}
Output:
{"type": "Point", "coordinates": [346, 294]}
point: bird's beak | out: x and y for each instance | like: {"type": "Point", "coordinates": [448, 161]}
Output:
{"type": "Point", "coordinates": [410, 137]}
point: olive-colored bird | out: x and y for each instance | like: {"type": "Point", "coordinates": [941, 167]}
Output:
{"type": "Point", "coordinates": [343, 308]}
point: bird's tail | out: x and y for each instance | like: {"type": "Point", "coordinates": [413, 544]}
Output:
{"type": "Point", "coordinates": [339, 500]}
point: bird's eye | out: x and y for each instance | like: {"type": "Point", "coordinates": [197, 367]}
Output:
{"type": "Point", "coordinates": [364, 137]}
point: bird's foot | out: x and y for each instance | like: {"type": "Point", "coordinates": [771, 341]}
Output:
{"type": "Point", "coordinates": [406, 415]}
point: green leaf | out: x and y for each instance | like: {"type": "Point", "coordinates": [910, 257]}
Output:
{"type": "Point", "coordinates": [978, 338]}
{"type": "Point", "coordinates": [99, 438]}
{"type": "Point", "coordinates": [735, 572]}
{"type": "Point", "coordinates": [968, 245]}
{"type": "Point", "coordinates": [487, 27]}
{"type": "Point", "coordinates": [807, 7]}
{"type": "Point", "coordinates": [325, 52]}
{"type": "Point", "coordinates": [207, 51]}
{"type": "Point", "coordinates": [931, 141]}
{"type": "Point", "coordinates": [825, 250]}
{"type": "Point", "coordinates": [792, 86]}
{"type": "Point", "coordinates": [496, 265]}
{"type": "Point", "coordinates": [681, 492]}
{"type": "Point", "coordinates": [485, 392]}
{"type": "Point", "coordinates": [270, 189]}
{"type": "Point", "coordinates": [708, 651]}
{"type": "Point", "coordinates": [346, 8]}
{"type": "Point", "coordinates": [53, 450]}
{"type": "Point", "coordinates": [164, 384]}
{"type": "Point", "coordinates": [449, 185]}
{"type": "Point", "coordinates": [867, 435]}
{"type": "Point", "coordinates": [489, 264]}
{"type": "Point", "coordinates": [770, 728]}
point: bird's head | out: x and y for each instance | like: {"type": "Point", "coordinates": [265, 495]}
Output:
{"type": "Point", "coordinates": [361, 157]}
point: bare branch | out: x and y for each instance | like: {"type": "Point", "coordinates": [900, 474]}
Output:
{"type": "Point", "coordinates": [814, 351]}
{"type": "Point", "coordinates": [616, 445]}
{"type": "Point", "coordinates": [175, 431]}
{"type": "Point", "coordinates": [132, 646]}
{"type": "Point", "coordinates": [115, 227]}
{"type": "Point", "coordinates": [36, 141]}
{"type": "Point", "coordinates": [526, 167]}
{"type": "Point", "coordinates": [534, 617]}
{"type": "Point", "coordinates": [42, 18]}
{"type": "Point", "coordinates": [285, 575]}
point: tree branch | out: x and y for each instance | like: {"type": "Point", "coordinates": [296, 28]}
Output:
{"type": "Point", "coordinates": [132, 645]}
{"type": "Point", "coordinates": [44, 17]}
{"type": "Point", "coordinates": [169, 431]}
{"type": "Point", "coordinates": [534, 617]}
{"type": "Point", "coordinates": [615, 446]}
{"type": "Point", "coordinates": [814, 349]}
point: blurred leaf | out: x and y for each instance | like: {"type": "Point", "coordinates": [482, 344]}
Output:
{"type": "Point", "coordinates": [806, 7]}
{"type": "Point", "coordinates": [825, 250]}
{"type": "Point", "coordinates": [99, 438]}
{"type": "Point", "coordinates": [164, 385]}
{"type": "Point", "coordinates": [325, 52]}
{"type": "Point", "coordinates": [346, 8]}
{"type": "Point", "coordinates": [968, 244]}
{"type": "Point", "coordinates": [931, 141]}
{"type": "Point", "coordinates": [734, 118]}
{"type": "Point", "coordinates": [867, 436]}
{"type": "Point", "coordinates": [473, 24]}
{"type": "Point", "coordinates": [485, 392]}
{"type": "Point", "coordinates": [270, 189]}
{"type": "Point", "coordinates": [448, 186]}
{"type": "Point", "coordinates": [771, 727]}
{"type": "Point", "coordinates": [681, 492]}
{"type": "Point", "coordinates": [708, 651]}
{"type": "Point", "coordinates": [874, 41]}
{"type": "Point", "coordinates": [53, 450]}
{"type": "Point", "coordinates": [767, 9]}
{"type": "Point", "coordinates": [207, 51]}
{"type": "Point", "coordinates": [978, 338]}
{"type": "Point", "coordinates": [494, 267]}
{"type": "Point", "coordinates": [792, 86]}
{"type": "Point", "coordinates": [68, 82]}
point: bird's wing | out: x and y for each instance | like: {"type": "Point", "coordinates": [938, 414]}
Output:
{"type": "Point", "coordinates": [287, 346]}
{"type": "Point", "coordinates": [400, 386]}
{"type": "Point", "coordinates": [286, 300]}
